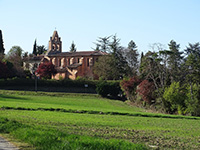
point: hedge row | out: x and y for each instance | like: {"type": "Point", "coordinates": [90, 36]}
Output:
{"type": "Point", "coordinates": [47, 83]}
{"type": "Point", "coordinates": [109, 89]}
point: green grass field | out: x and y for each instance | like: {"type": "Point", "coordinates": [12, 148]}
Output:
{"type": "Point", "coordinates": [81, 121]}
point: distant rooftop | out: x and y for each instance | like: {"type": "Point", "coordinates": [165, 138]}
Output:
{"type": "Point", "coordinates": [80, 53]}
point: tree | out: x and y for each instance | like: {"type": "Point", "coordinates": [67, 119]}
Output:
{"type": "Point", "coordinates": [1, 45]}
{"type": "Point", "coordinates": [35, 48]}
{"type": "Point", "coordinates": [146, 89]}
{"type": "Point", "coordinates": [73, 47]}
{"type": "Point", "coordinates": [175, 61]}
{"type": "Point", "coordinates": [192, 67]}
{"type": "Point", "coordinates": [129, 87]}
{"type": "Point", "coordinates": [15, 57]}
{"type": "Point", "coordinates": [115, 62]}
{"type": "Point", "coordinates": [124, 60]}
{"type": "Point", "coordinates": [193, 101]}
{"type": "Point", "coordinates": [46, 70]}
{"type": "Point", "coordinates": [175, 95]}
{"type": "Point", "coordinates": [193, 62]}
{"type": "Point", "coordinates": [38, 50]}
{"type": "Point", "coordinates": [41, 49]}
{"type": "Point", "coordinates": [131, 56]}
{"type": "Point", "coordinates": [103, 44]}
{"type": "Point", "coordinates": [4, 71]}
{"type": "Point", "coordinates": [154, 68]}
{"type": "Point", "coordinates": [119, 61]}
{"type": "Point", "coordinates": [104, 68]}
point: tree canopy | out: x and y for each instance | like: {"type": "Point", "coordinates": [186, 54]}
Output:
{"type": "Point", "coordinates": [1, 44]}
{"type": "Point", "coordinates": [46, 70]}
{"type": "Point", "coordinates": [122, 62]}
{"type": "Point", "coordinates": [73, 47]}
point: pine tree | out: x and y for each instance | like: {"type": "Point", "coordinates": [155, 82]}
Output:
{"type": "Point", "coordinates": [35, 48]}
{"type": "Point", "coordinates": [1, 45]}
{"type": "Point", "coordinates": [73, 47]}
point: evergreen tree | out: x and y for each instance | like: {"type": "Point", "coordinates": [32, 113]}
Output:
{"type": "Point", "coordinates": [193, 62]}
{"type": "Point", "coordinates": [132, 45]}
{"type": "Point", "coordinates": [103, 44]}
{"type": "Point", "coordinates": [73, 47]}
{"type": "Point", "coordinates": [35, 48]}
{"type": "Point", "coordinates": [1, 45]}
{"type": "Point", "coordinates": [132, 57]}
{"type": "Point", "coordinates": [175, 60]}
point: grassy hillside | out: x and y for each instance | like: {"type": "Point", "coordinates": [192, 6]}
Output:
{"type": "Point", "coordinates": [118, 129]}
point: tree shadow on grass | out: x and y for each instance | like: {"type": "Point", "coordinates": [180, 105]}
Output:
{"type": "Point", "coordinates": [2, 97]}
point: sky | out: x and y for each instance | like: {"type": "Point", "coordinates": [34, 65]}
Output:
{"type": "Point", "coordinates": [84, 21]}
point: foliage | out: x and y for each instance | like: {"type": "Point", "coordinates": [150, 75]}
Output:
{"type": "Point", "coordinates": [146, 89]}
{"type": "Point", "coordinates": [38, 50]}
{"type": "Point", "coordinates": [35, 48]}
{"type": "Point", "coordinates": [193, 100]}
{"type": "Point", "coordinates": [73, 47]}
{"type": "Point", "coordinates": [1, 46]}
{"type": "Point", "coordinates": [41, 49]}
{"type": "Point", "coordinates": [103, 44]}
{"type": "Point", "coordinates": [108, 89]}
{"type": "Point", "coordinates": [192, 63]}
{"type": "Point", "coordinates": [15, 57]}
{"type": "Point", "coordinates": [129, 87]}
{"type": "Point", "coordinates": [175, 95]}
{"type": "Point", "coordinates": [174, 61]}
{"type": "Point", "coordinates": [131, 56]}
{"type": "Point", "coordinates": [105, 69]}
{"type": "Point", "coordinates": [4, 71]}
{"type": "Point", "coordinates": [46, 70]}
{"type": "Point", "coordinates": [122, 62]}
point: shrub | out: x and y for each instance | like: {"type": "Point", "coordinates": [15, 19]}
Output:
{"type": "Point", "coordinates": [129, 87]}
{"type": "Point", "coordinates": [5, 72]}
{"type": "Point", "coordinates": [46, 70]}
{"type": "Point", "coordinates": [145, 90]}
{"type": "Point", "coordinates": [193, 100]}
{"type": "Point", "coordinates": [109, 89]}
{"type": "Point", "coordinates": [175, 96]}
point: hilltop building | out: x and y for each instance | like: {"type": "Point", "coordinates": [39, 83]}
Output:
{"type": "Point", "coordinates": [68, 64]}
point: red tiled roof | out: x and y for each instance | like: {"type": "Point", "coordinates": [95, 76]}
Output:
{"type": "Point", "coordinates": [34, 58]}
{"type": "Point", "coordinates": [80, 53]}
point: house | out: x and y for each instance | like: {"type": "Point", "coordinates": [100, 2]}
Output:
{"type": "Point", "coordinates": [70, 64]}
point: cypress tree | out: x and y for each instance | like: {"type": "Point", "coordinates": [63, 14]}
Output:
{"type": "Point", "coordinates": [35, 48]}
{"type": "Point", "coordinates": [1, 44]}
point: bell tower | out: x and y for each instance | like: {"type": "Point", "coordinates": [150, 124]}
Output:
{"type": "Point", "coordinates": [55, 43]}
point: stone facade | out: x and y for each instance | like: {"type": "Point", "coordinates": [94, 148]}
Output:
{"type": "Point", "coordinates": [70, 64]}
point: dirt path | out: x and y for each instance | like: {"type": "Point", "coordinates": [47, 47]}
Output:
{"type": "Point", "coordinates": [5, 145]}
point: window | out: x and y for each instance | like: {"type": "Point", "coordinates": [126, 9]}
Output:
{"type": "Point", "coordinates": [59, 62]}
{"type": "Point", "coordinates": [88, 62]}
{"type": "Point", "coordinates": [78, 60]}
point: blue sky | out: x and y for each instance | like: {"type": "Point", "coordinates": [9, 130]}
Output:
{"type": "Point", "coordinates": [83, 21]}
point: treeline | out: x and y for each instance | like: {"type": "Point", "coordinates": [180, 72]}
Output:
{"type": "Point", "coordinates": [11, 64]}
{"type": "Point", "coordinates": [165, 79]}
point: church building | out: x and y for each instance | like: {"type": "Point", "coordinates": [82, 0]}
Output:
{"type": "Point", "coordinates": [70, 64]}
